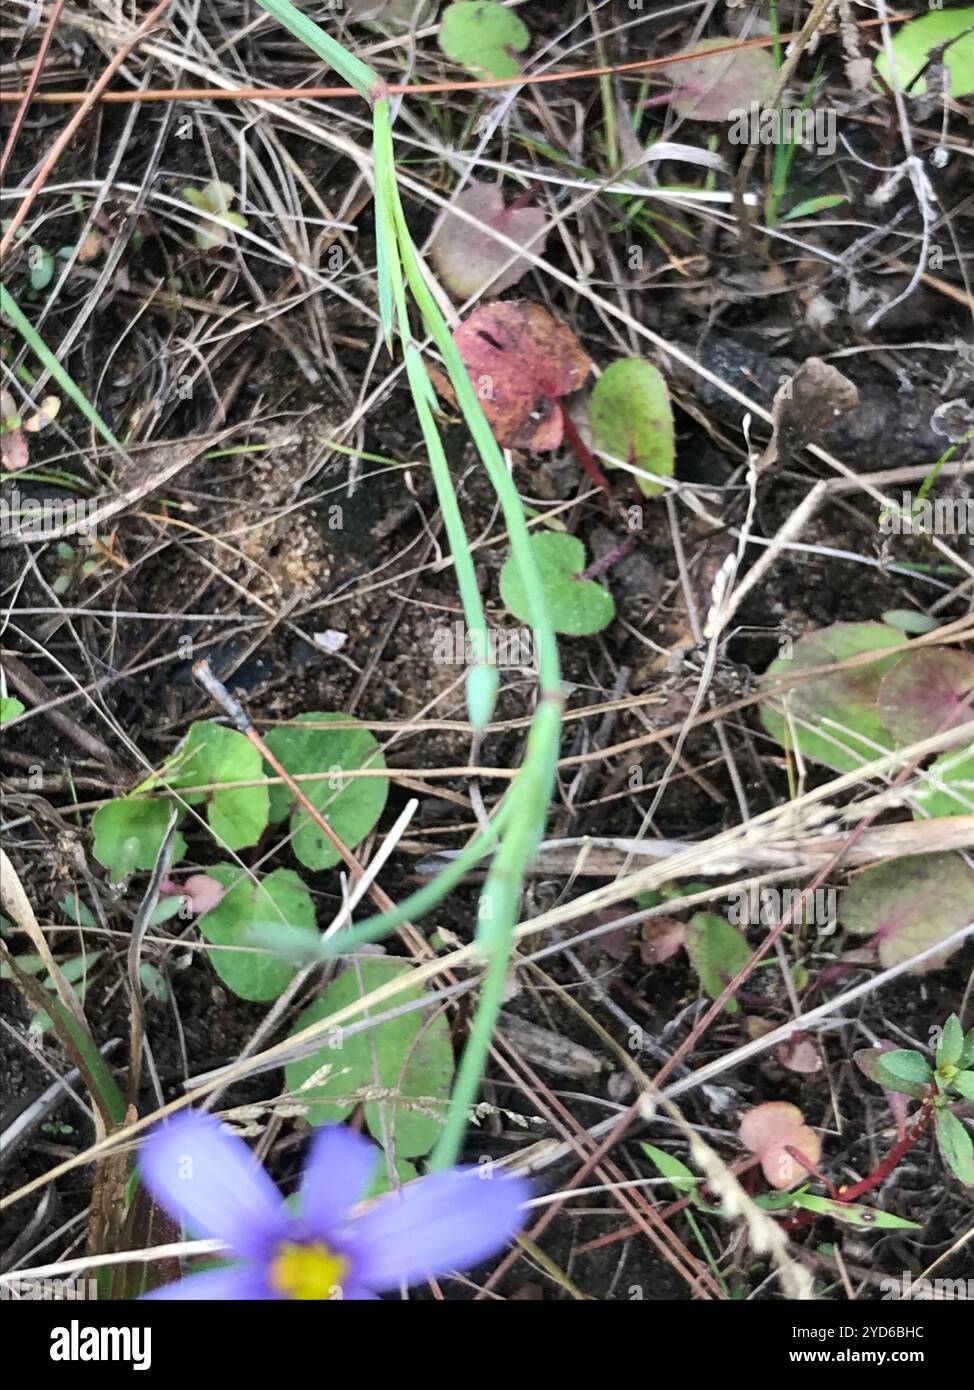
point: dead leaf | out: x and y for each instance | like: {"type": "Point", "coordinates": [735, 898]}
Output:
{"type": "Point", "coordinates": [770, 1131]}
{"type": "Point", "coordinates": [467, 259]}
{"type": "Point", "coordinates": [91, 248]}
{"type": "Point", "coordinates": [804, 407]}
{"type": "Point", "coordinates": [662, 938]}
{"type": "Point", "coordinates": [522, 361]}
{"type": "Point", "coordinates": [14, 451]}
{"type": "Point", "coordinates": [799, 1053]}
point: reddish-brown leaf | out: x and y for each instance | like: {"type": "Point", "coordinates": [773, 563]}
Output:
{"type": "Point", "coordinates": [522, 361]}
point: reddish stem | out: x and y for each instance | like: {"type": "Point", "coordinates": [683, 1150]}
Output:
{"type": "Point", "coordinates": [528, 196]}
{"type": "Point", "coordinates": [584, 455]}
{"type": "Point", "coordinates": [880, 1174]}
{"type": "Point", "coordinates": [874, 1179]}
{"type": "Point", "coordinates": [617, 552]}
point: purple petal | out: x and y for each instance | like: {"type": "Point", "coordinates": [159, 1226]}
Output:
{"type": "Point", "coordinates": [205, 1176]}
{"type": "Point", "coordinates": [441, 1223]}
{"type": "Point", "coordinates": [336, 1174]}
{"type": "Point", "coordinates": [218, 1285]}
{"type": "Point", "coordinates": [356, 1293]}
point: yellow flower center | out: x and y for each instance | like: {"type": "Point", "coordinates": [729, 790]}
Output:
{"type": "Point", "coordinates": [308, 1271]}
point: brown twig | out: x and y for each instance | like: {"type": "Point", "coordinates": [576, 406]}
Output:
{"type": "Point", "coordinates": [33, 80]}
{"type": "Point", "coordinates": [419, 88]}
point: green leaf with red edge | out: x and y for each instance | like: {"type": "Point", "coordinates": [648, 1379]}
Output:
{"type": "Point", "coordinates": [956, 1146]}
{"type": "Point", "coordinates": [925, 691]}
{"type": "Point", "coordinates": [632, 421]}
{"type": "Point", "coordinates": [833, 718]}
{"type": "Point", "coordinates": [910, 904]}
{"type": "Point", "coordinates": [866, 1060]}
{"type": "Point", "coordinates": [904, 1070]}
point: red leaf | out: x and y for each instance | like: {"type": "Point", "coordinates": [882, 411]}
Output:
{"type": "Point", "coordinates": [522, 361]}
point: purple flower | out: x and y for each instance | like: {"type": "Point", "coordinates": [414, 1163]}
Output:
{"type": "Point", "coordinates": [203, 1175]}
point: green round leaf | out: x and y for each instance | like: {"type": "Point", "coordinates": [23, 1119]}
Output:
{"type": "Point", "coordinates": [129, 833]}
{"type": "Point", "coordinates": [578, 607]}
{"type": "Point", "coordinates": [913, 44]}
{"type": "Point", "coordinates": [351, 806]}
{"type": "Point", "coordinates": [410, 1058]}
{"type": "Point", "coordinates": [279, 899]}
{"type": "Point", "coordinates": [213, 753]}
{"type": "Point", "coordinates": [484, 37]}
{"type": "Point", "coordinates": [632, 420]}
{"type": "Point", "coordinates": [834, 717]}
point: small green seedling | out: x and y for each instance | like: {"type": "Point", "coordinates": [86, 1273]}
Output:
{"type": "Point", "coordinates": [940, 1088]}
{"type": "Point", "coordinates": [632, 422]}
{"type": "Point", "coordinates": [75, 972]}
{"type": "Point", "coordinates": [718, 952]}
{"type": "Point", "coordinates": [578, 606]}
{"type": "Point", "coordinates": [484, 37]}
{"type": "Point", "coordinates": [215, 198]}
{"type": "Point", "coordinates": [73, 567]}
